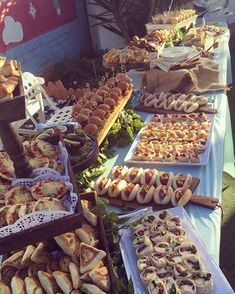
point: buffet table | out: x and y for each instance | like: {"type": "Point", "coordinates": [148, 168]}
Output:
{"type": "Point", "coordinates": [206, 222]}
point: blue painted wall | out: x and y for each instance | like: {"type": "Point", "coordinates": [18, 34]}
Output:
{"type": "Point", "coordinates": [70, 40]}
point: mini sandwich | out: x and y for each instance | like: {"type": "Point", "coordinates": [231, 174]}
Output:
{"type": "Point", "coordinates": [182, 181]}
{"type": "Point", "coordinates": [158, 103]}
{"type": "Point", "coordinates": [169, 104]}
{"type": "Point", "coordinates": [157, 286]}
{"type": "Point", "coordinates": [203, 281]}
{"type": "Point", "coordinates": [133, 174]}
{"type": "Point", "coordinates": [186, 286]}
{"type": "Point", "coordinates": [148, 177]}
{"type": "Point", "coordinates": [149, 101]}
{"type": "Point", "coordinates": [101, 185]}
{"type": "Point", "coordinates": [129, 192]}
{"type": "Point", "coordinates": [144, 262]}
{"type": "Point", "coordinates": [163, 194]}
{"type": "Point", "coordinates": [116, 187]}
{"type": "Point", "coordinates": [165, 178]}
{"type": "Point", "coordinates": [171, 286]}
{"type": "Point", "coordinates": [145, 194]}
{"type": "Point", "coordinates": [181, 197]}
{"type": "Point", "coordinates": [119, 172]}
{"type": "Point", "coordinates": [148, 274]}
{"type": "Point", "coordinates": [179, 105]}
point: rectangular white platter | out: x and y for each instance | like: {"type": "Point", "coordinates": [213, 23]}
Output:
{"type": "Point", "coordinates": [220, 283]}
{"type": "Point", "coordinates": [204, 157]}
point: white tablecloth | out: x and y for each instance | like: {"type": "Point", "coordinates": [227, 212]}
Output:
{"type": "Point", "coordinates": [207, 222]}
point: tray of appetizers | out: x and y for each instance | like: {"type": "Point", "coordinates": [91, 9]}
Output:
{"type": "Point", "coordinates": [162, 253]}
{"type": "Point", "coordinates": [170, 103]}
{"type": "Point", "coordinates": [173, 139]}
{"type": "Point", "coordinates": [96, 110]}
{"type": "Point", "coordinates": [75, 261]}
{"type": "Point", "coordinates": [136, 187]}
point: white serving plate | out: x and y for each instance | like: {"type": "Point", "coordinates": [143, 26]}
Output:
{"type": "Point", "coordinates": [176, 54]}
{"type": "Point", "coordinates": [220, 283]}
{"type": "Point", "coordinates": [204, 157]}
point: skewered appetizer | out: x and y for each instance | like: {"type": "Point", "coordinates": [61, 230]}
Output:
{"type": "Point", "coordinates": [167, 261]}
{"type": "Point", "coordinates": [144, 186]}
{"type": "Point", "coordinates": [178, 138]}
{"type": "Point", "coordinates": [71, 263]}
{"type": "Point", "coordinates": [128, 55]}
{"type": "Point", "coordinates": [94, 107]}
{"type": "Point", "coordinates": [173, 17]}
{"type": "Point", "coordinates": [169, 101]}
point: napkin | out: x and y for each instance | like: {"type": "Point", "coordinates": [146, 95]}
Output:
{"type": "Point", "coordinates": [202, 77]}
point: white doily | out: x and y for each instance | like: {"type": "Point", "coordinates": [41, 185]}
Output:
{"type": "Point", "coordinates": [39, 217]}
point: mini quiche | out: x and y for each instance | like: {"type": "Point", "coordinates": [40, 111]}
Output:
{"type": "Point", "coordinates": [41, 148]}
{"type": "Point", "coordinates": [49, 188]}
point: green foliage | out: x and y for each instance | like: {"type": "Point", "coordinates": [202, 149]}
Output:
{"type": "Point", "coordinates": [123, 130]}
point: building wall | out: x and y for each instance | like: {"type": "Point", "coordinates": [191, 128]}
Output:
{"type": "Point", "coordinates": [69, 40]}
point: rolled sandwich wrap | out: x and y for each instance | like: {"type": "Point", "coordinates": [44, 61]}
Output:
{"type": "Point", "coordinates": [193, 263]}
{"type": "Point", "coordinates": [181, 197]}
{"type": "Point", "coordinates": [159, 235]}
{"type": "Point", "coordinates": [138, 241]}
{"type": "Point", "coordinates": [181, 271]}
{"type": "Point", "coordinates": [162, 194]}
{"type": "Point", "coordinates": [157, 287]}
{"type": "Point", "coordinates": [101, 185]}
{"type": "Point", "coordinates": [163, 247]}
{"type": "Point", "coordinates": [144, 262]}
{"type": "Point", "coordinates": [204, 282]}
{"type": "Point", "coordinates": [171, 286]}
{"type": "Point", "coordinates": [186, 286]}
{"type": "Point", "coordinates": [165, 272]}
{"type": "Point", "coordinates": [150, 220]}
{"type": "Point", "coordinates": [141, 231]}
{"type": "Point", "coordinates": [190, 106]}
{"type": "Point", "coordinates": [173, 222]}
{"type": "Point", "coordinates": [164, 215]}
{"type": "Point", "coordinates": [129, 191]}
{"type": "Point", "coordinates": [147, 275]}
{"type": "Point", "coordinates": [145, 194]}
{"type": "Point", "coordinates": [158, 259]}
{"type": "Point", "coordinates": [116, 187]}
{"type": "Point", "coordinates": [187, 248]}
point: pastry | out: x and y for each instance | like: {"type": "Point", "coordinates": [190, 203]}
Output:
{"type": "Point", "coordinates": [89, 257]}
{"type": "Point", "coordinates": [75, 275]}
{"type": "Point", "coordinates": [64, 262]}
{"type": "Point", "coordinates": [25, 208]}
{"type": "Point", "coordinates": [101, 185]}
{"type": "Point", "coordinates": [15, 260]}
{"type": "Point", "coordinates": [18, 195]}
{"type": "Point", "coordinates": [181, 197]}
{"type": "Point", "coordinates": [85, 237]}
{"type": "Point", "coordinates": [48, 188]}
{"type": "Point", "coordinates": [63, 281]}
{"type": "Point", "coordinates": [162, 194]}
{"type": "Point", "coordinates": [39, 162]}
{"type": "Point", "coordinates": [48, 204]}
{"type": "Point", "coordinates": [68, 242]}
{"type": "Point", "coordinates": [4, 289]}
{"type": "Point", "coordinates": [190, 106]}
{"type": "Point", "coordinates": [48, 282]}
{"type": "Point", "coordinates": [90, 217]}
{"type": "Point", "coordinates": [12, 214]}
{"type": "Point", "coordinates": [90, 288]}
{"type": "Point", "coordinates": [17, 286]}
{"type": "Point", "coordinates": [7, 272]}
{"type": "Point", "coordinates": [100, 278]}
{"type": "Point", "coordinates": [40, 255]}
{"type": "Point", "coordinates": [145, 194]}
{"type": "Point", "coordinates": [41, 148]}
{"type": "Point", "coordinates": [6, 167]}
{"type": "Point", "coordinates": [35, 268]}
{"type": "Point", "coordinates": [32, 286]}
{"type": "Point", "coordinates": [116, 187]}
{"type": "Point", "coordinates": [130, 191]}
{"type": "Point", "coordinates": [3, 212]}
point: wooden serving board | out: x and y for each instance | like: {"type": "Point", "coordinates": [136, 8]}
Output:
{"type": "Point", "coordinates": [118, 202]}
{"type": "Point", "coordinates": [112, 118]}
{"type": "Point", "coordinates": [141, 107]}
